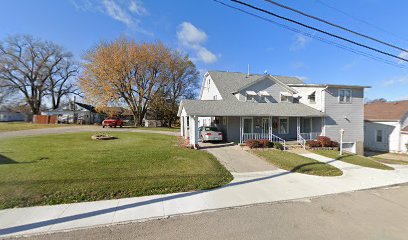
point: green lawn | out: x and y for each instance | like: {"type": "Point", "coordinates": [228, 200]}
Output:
{"type": "Point", "coordinates": [353, 159]}
{"type": "Point", "coordinates": [390, 161]}
{"type": "Point", "coordinates": [68, 168]}
{"type": "Point", "coordinates": [16, 126]}
{"type": "Point", "coordinates": [296, 163]}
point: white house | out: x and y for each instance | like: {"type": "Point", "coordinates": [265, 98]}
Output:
{"type": "Point", "coordinates": [278, 108]}
{"type": "Point", "coordinates": [386, 126]}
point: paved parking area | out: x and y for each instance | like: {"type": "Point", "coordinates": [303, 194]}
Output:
{"type": "Point", "coordinates": [235, 159]}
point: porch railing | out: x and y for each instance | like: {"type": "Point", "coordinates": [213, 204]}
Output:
{"type": "Point", "coordinates": [256, 136]}
{"type": "Point", "coordinates": [301, 141]}
{"type": "Point", "coordinates": [310, 136]}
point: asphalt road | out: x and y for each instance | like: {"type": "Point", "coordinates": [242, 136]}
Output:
{"type": "Point", "coordinates": [370, 214]}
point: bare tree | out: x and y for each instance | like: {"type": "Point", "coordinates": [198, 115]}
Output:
{"type": "Point", "coordinates": [27, 66]}
{"type": "Point", "coordinates": [61, 82]}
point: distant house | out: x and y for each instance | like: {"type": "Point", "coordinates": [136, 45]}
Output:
{"type": "Point", "coordinates": [151, 119]}
{"type": "Point", "coordinates": [277, 108]}
{"type": "Point", "coordinates": [9, 115]}
{"type": "Point", "coordinates": [386, 126]}
{"type": "Point", "coordinates": [76, 113]}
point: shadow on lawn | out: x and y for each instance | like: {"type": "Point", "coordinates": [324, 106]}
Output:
{"type": "Point", "coordinates": [59, 220]}
{"type": "Point", "coordinates": [30, 226]}
{"type": "Point", "coordinates": [6, 160]}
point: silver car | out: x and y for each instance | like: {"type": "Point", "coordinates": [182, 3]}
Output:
{"type": "Point", "coordinates": [209, 134]}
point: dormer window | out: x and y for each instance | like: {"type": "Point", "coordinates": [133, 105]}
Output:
{"type": "Point", "coordinates": [312, 97]}
{"type": "Point", "coordinates": [263, 95]}
{"type": "Point", "coordinates": [250, 96]}
{"type": "Point", "coordinates": [285, 97]}
{"type": "Point", "coordinates": [262, 98]}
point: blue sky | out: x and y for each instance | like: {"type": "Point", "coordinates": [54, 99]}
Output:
{"type": "Point", "coordinates": [218, 38]}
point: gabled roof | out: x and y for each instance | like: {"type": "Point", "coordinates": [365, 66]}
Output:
{"type": "Point", "coordinates": [385, 111]}
{"type": "Point", "coordinates": [206, 108]}
{"type": "Point", "coordinates": [273, 78]}
{"type": "Point", "coordinates": [229, 82]}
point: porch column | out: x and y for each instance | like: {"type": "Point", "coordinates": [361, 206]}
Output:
{"type": "Point", "coordinates": [186, 132]}
{"type": "Point", "coordinates": [182, 126]}
{"type": "Point", "coordinates": [194, 131]}
{"type": "Point", "coordinates": [298, 128]}
{"type": "Point", "coordinates": [240, 130]}
{"type": "Point", "coordinates": [270, 128]}
{"type": "Point", "coordinates": [323, 127]}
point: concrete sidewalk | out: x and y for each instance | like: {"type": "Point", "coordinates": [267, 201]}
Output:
{"type": "Point", "coordinates": [246, 189]}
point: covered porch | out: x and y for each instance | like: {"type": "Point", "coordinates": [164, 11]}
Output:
{"type": "Point", "coordinates": [239, 122]}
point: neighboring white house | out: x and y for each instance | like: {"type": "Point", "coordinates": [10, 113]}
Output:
{"type": "Point", "coordinates": [275, 107]}
{"type": "Point", "coordinates": [76, 112]}
{"type": "Point", "coordinates": [386, 126]}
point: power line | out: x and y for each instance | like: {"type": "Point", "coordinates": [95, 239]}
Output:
{"type": "Point", "coordinates": [319, 30]}
{"type": "Point", "coordinates": [361, 20]}
{"type": "Point", "coordinates": [336, 25]}
{"type": "Point", "coordinates": [343, 47]}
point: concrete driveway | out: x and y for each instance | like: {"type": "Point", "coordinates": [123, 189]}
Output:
{"type": "Point", "coordinates": [235, 159]}
{"type": "Point", "coordinates": [391, 156]}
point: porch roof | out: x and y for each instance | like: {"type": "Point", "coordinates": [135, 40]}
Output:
{"type": "Point", "coordinates": [207, 108]}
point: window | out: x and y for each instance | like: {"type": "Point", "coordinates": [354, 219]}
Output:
{"type": "Point", "coordinates": [208, 85]}
{"type": "Point", "coordinates": [283, 125]}
{"type": "Point", "coordinates": [215, 97]}
{"type": "Point", "coordinates": [379, 136]}
{"type": "Point", "coordinates": [262, 98]}
{"type": "Point", "coordinates": [345, 95]}
{"type": "Point", "coordinates": [284, 98]}
{"type": "Point", "coordinates": [249, 98]}
{"type": "Point", "coordinates": [312, 97]}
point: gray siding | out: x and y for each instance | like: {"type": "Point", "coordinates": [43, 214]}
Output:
{"type": "Point", "coordinates": [233, 129]}
{"type": "Point", "coordinates": [349, 117]}
{"type": "Point", "coordinates": [267, 85]}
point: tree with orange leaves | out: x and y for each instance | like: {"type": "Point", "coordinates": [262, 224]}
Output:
{"type": "Point", "coordinates": [126, 73]}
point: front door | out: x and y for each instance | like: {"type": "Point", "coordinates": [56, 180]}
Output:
{"type": "Point", "coordinates": [306, 125]}
{"type": "Point", "coordinates": [247, 125]}
{"type": "Point", "coordinates": [265, 125]}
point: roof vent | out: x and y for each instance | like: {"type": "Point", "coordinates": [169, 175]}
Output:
{"type": "Point", "coordinates": [248, 72]}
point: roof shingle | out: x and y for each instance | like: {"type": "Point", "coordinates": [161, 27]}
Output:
{"type": "Point", "coordinates": [385, 111]}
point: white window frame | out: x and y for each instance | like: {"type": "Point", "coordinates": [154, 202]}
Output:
{"type": "Point", "coordinates": [287, 126]}
{"type": "Point", "coordinates": [344, 90]}
{"type": "Point", "coordinates": [262, 98]}
{"type": "Point", "coordinates": [284, 96]}
{"type": "Point", "coordinates": [310, 101]}
{"type": "Point", "coordinates": [376, 136]}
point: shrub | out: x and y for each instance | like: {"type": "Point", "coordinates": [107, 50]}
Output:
{"type": "Point", "coordinates": [264, 143]}
{"type": "Point", "coordinates": [334, 144]}
{"type": "Point", "coordinates": [252, 143]}
{"type": "Point", "coordinates": [270, 145]}
{"type": "Point", "coordinates": [324, 141]}
{"type": "Point", "coordinates": [278, 145]}
{"type": "Point", "coordinates": [313, 144]}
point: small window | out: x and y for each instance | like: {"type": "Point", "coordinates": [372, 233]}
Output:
{"type": "Point", "coordinates": [262, 98]}
{"type": "Point", "coordinates": [249, 98]}
{"type": "Point", "coordinates": [312, 98]}
{"type": "Point", "coordinates": [283, 125]}
{"type": "Point", "coordinates": [345, 95]}
{"type": "Point", "coordinates": [284, 98]}
{"type": "Point", "coordinates": [379, 136]}
{"type": "Point", "coordinates": [215, 97]}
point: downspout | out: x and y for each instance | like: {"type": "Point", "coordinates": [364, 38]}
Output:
{"type": "Point", "coordinates": [322, 104]}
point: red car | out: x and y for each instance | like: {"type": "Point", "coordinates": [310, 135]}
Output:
{"type": "Point", "coordinates": [112, 122]}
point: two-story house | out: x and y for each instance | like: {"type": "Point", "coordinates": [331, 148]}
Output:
{"type": "Point", "coordinates": [278, 108]}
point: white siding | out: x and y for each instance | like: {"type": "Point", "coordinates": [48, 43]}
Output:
{"type": "Point", "coordinates": [208, 90]}
{"type": "Point", "coordinates": [404, 142]}
{"type": "Point", "coordinates": [391, 136]}
{"type": "Point", "coordinates": [303, 93]}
